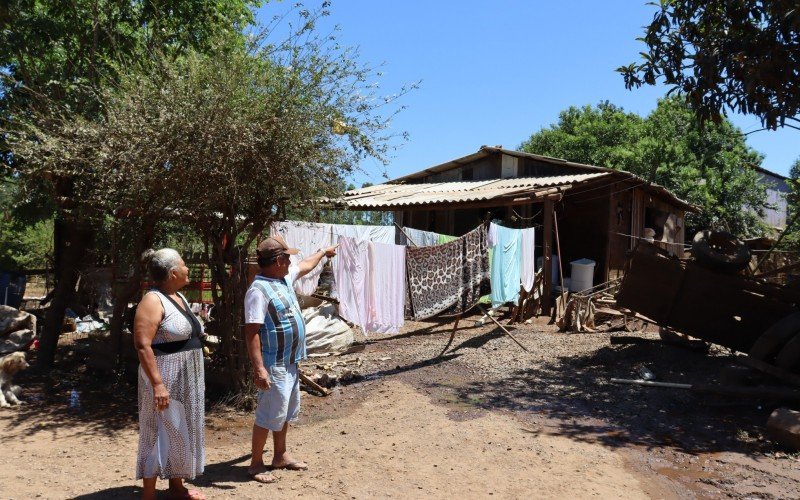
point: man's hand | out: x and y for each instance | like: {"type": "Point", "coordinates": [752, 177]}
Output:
{"type": "Point", "coordinates": [309, 263]}
{"type": "Point", "coordinates": [261, 378]}
{"type": "Point", "coordinates": [330, 251]}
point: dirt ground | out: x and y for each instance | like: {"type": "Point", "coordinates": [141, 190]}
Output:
{"type": "Point", "coordinates": [483, 419]}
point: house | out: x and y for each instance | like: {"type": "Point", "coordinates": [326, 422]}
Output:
{"type": "Point", "coordinates": [581, 211]}
{"type": "Point", "coordinates": [777, 190]}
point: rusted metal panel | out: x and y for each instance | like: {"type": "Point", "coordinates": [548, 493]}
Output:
{"type": "Point", "coordinates": [724, 309]}
{"type": "Point", "coordinates": [729, 310]}
{"type": "Point", "coordinates": [650, 285]}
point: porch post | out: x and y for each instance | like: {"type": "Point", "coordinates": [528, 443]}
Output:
{"type": "Point", "coordinates": [547, 256]}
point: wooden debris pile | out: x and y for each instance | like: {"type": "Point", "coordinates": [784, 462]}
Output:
{"type": "Point", "coordinates": [321, 376]}
{"type": "Point", "coordinates": [592, 310]}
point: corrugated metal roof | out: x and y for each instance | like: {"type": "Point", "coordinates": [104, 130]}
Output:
{"type": "Point", "coordinates": [409, 192]}
{"type": "Point", "coordinates": [404, 195]}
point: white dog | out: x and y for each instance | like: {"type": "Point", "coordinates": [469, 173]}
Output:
{"type": "Point", "coordinates": [9, 366]}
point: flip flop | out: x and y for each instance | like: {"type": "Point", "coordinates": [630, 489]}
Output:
{"type": "Point", "coordinates": [292, 466]}
{"type": "Point", "coordinates": [264, 476]}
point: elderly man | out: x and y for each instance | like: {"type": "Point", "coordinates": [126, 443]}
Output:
{"type": "Point", "coordinates": [275, 335]}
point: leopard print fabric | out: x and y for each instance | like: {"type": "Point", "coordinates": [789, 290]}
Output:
{"type": "Point", "coordinates": [448, 278]}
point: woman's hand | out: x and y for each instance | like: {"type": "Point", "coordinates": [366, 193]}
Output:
{"type": "Point", "coordinates": [160, 397]}
{"type": "Point", "coordinates": [261, 378]}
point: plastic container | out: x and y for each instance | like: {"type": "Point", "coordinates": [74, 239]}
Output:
{"type": "Point", "coordinates": [554, 275]}
{"type": "Point", "coordinates": [582, 276]}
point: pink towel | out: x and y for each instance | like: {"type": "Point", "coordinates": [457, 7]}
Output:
{"type": "Point", "coordinates": [371, 284]}
{"type": "Point", "coordinates": [388, 288]}
{"type": "Point", "coordinates": [350, 270]}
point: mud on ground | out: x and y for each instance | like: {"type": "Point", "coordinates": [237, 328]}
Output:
{"type": "Point", "coordinates": [483, 419]}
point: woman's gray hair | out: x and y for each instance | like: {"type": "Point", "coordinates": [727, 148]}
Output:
{"type": "Point", "coordinates": [160, 262]}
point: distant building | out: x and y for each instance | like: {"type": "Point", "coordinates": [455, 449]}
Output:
{"type": "Point", "coordinates": [777, 190]}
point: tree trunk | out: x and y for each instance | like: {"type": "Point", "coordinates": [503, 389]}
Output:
{"type": "Point", "coordinates": [73, 240]}
{"type": "Point", "coordinates": [229, 273]}
{"type": "Point", "coordinates": [126, 293]}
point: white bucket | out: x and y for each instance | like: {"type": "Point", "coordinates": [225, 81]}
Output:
{"type": "Point", "coordinates": [582, 275]}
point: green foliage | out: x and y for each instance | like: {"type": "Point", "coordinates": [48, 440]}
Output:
{"type": "Point", "coordinates": [596, 136]}
{"type": "Point", "coordinates": [709, 166]}
{"type": "Point", "coordinates": [58, 59]}
{"type": "Point", "coordinates": [25, 246]}
{"type": "Point", "coordinates": [740, 55]}
{"type": "Point", "coordinates": [67, 50]}
{"type": "Point", "coordinates": [26, 230]}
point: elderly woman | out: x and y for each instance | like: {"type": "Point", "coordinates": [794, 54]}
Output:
{"type": "Point", "coordinates": [171, 381]}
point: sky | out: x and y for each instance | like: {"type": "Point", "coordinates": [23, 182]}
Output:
{"type": "Point", "coordinates": [495, 72]}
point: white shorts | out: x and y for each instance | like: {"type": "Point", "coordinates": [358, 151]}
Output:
{"type": "Point", "coordinates": [281, 402]}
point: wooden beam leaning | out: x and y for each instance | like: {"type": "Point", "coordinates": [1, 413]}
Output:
{"type": "Point", "coordinates": [502, 328]}
{"type": "Point", "coordinates": [406, 234]}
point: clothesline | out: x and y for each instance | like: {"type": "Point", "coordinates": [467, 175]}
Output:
{"type": "Point", "coordinates": [685, 246]}
{"type": "Point", "coordinates": [311, 226]}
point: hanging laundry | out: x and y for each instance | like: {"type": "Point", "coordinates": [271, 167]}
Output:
{"type": "Point", "coordinates": [370, 284]}
{"type": "Point", "coordinates": [448, 278]}
{"type": "Point", "coordinates": [418, 237]}
{"type": "Point", "coordinates": [491, 235]}
{"type": "Point", "coordinates": [351, 273]}
{"type": "Point", "coordinates": [308, 237]}
{"type": "Point", "coordinates": [387, 294]}
{"type": "Point", "coordinates": [446, 238]}
{"type": "Point", "coordinates": [528, 270]}
{"type": "Point", "coordinates": [375, 234]}
{"type": "Point", "coordinates": [506, 264]}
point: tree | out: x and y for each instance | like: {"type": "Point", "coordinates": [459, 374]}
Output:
{"type": "Point", "coordinates": [708, 166]}
{"type": "Point", "coordinates": [26, 240]}
{"type": "Point", "coordinates": [227, 141]}
{"type": "Point", "coordinates": [722, 55]}
{"type": "Point", "coordinates": [600, 135]}
{"type": "Point", "coordinates": [57, 59]}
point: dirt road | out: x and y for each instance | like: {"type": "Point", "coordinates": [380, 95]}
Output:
{"type": "Point", "coordinates": [484, 420]}
{"type": "Point", "coordinates": [395, 443]}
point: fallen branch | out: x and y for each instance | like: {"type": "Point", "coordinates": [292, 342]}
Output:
{"type": "Point", "coordinates": [310, 383]}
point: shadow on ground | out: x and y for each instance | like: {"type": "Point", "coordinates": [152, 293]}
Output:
{"type": "Point", "coordinates": [118, 492]}
{"type": "Point", "coordinates": [576, 391]}
{"type": "Point", "coordinates": [103, 404]}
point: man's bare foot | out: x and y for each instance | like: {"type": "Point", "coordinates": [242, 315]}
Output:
{"type": "Point", "coordinates": [261, 474]}
{"type": "Point", "coordinates": [288, 463]}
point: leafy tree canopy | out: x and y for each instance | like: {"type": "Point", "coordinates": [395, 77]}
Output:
{"type": "Point", "coordinates": [65, 50]}
{"type": "Point", "coordinates": [222, 141]}
{"type": "Point", "coordinates": [723, 55]}
{"type": "Point", "coordinates": [708, 166]}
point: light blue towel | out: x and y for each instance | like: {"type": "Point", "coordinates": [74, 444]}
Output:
{"type": "Point", "coordinates": [506, 265]}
